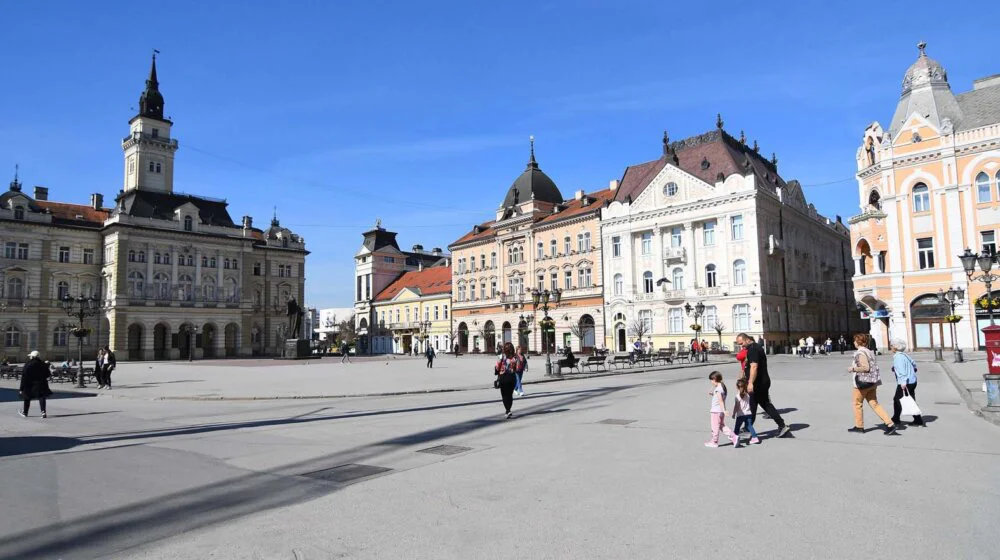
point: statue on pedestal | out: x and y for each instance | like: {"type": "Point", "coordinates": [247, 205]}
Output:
{"type": "Point", "coordinates": [294, 314]}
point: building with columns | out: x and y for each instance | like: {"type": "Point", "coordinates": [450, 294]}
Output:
{"type": "Point", "coordinates": [928, 188]}
{"type": "Point", "coordinates": [712, 222]}
{"type": "Point", "coordinates": [173, 273]}
{"type": "Point", "coordinates": [538, 240]}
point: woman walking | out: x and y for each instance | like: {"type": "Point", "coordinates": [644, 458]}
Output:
{"type": "Point", "coordinates": [865, 378]}
{"type": "Point", "coordinates": [99, 368]}
{"type": "Point", "coordinates": [522, 356]}
{"type": "Point", "coordinates": [906, 381]}
{"type": "Point", "coordinates": [109, 365]}
{"type": "Point", "coordinates": [506, 371]}
{"type": "Point", "coordinates": [34, 383]}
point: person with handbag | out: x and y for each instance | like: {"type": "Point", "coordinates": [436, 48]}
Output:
{"type": "Point", "coordinates": [506, 370]}
{"type": "Point", "coordinates": [866, 379]}
{"type": "Point", "coordinates": [109, 365]}
{"type": "Point", "coordinates": [34, 384]}
{"type": "Point", "coordinates": [906, 384]}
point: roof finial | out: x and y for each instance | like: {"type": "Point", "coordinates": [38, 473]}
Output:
{"type": "Point", "coordinates": [666, 142]}
{"type": "Point", "coordinates": [378, 223]}
{"type": "Point", "coordinates": [774, 160]}
{"type": "Point", "coordinates": [921, 46]}
{"type": "Point", "coordinates": [756, 148]}
{"type": "Point", "coordinates": [743, 138]}
{"type": "Point", "coordinates": [274, 219]}
{"type": "Point", "coordinates": [718, 121]}
{"type": "Point", "coordinates": [15, 185]}
{"type": "Point", "coordinates": [532, 164]}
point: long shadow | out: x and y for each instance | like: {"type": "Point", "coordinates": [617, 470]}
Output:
{"type": "Point", "coordinates": [164, 516]}
{"type": "Point", "coordinates": [11, 395]}
{"type": "Point", "coordinates": [83, 414]}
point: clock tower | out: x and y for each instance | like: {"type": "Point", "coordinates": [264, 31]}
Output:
{"type": "Point", "coordinates": [149, 149]}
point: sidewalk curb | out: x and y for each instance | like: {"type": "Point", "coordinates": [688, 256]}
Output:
{"type": "Point", "coordinates": [569, 377]}
{"type": "Point", "coordinates": [989, 415]}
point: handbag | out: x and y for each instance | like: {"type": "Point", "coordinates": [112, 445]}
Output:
{"type": "Point", "coordinates": [908, 405]}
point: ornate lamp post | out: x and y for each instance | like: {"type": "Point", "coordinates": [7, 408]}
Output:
{"type": "Point", "coordinates": [425, 328]}
{"type": "Point", "coordinates": [542, 298]}
{"type": "Point", "coordinates": [193, 336]}
{"type": "Point", "coordinates": [985, 262]}
{"type": "Point", "coordinates": [80, 307]}
{"type": "Point", "coordinates": [696, 312]}
{"type": "Point", "coordinates": [951, 297]}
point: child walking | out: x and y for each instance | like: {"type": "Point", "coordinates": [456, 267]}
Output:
{"type": "Point", "coordinates": [718, 411]}
{"type": "Point", "coordinates": [742, 412]}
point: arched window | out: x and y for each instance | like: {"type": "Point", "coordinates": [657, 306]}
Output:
{"type": "Point", "coordinates": [208, 288]}
{"type": "Point", "coordinates": [135, 283]}
{"type": "Point", "coordinates": [710, 281]}
{"type": "Point", "coordinates": [142, 256]}
{"type": "Point", "coordinates": [619, 285]}
{"type": "Point", "coordinates": [204, 261]}
{"type": "Point", "coordinates": [874, 199]}
{"type": "Point", "coordinates": [157, 259]}
{"type": "Point", "coordinates": [739, 273]}
{"type": "Point", "coordinates": [541, 250]}
{"type": "Point", "coordinates": [921, 198]}
{"type": "Point", "coordinates": [185, 288]}
{"type": "Point", "coordinates": [131, 256]}
{"type": "Point", "coordinates": [60, 336]}
{"type": "Point", "coordinates": [647, 282]}
{"type": "Point", "coordinates": [62, 290]}
{"type": "Point", "coordinates": [188, 223]}
{"type": "Point", "coordinates": [678, 278]}
{"type": "Point", "coordinates": [161, 286]}
{"type": "Point", "coordinates": [982, 187]}
{"type": "Point", "coordinates": [12, 337]}
{"type": "Point", "coordinates": [510, 255]}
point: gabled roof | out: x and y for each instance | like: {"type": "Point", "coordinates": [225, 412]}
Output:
{"type": "Point", "coordinates": [161, 206]}
{"type": "Point", "coordinates": [426, 282]}
{"type": "Point", "coordinates": [479, 232]}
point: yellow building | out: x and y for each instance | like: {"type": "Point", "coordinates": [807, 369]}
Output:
{"type": "Point", "coordinates": [929, 186]}
{"type": "Point", "coordinates": [413, 312]}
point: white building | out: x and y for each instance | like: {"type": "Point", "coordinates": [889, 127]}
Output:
{"type": "Point", "coordinates": [712, 221]}
{"type": "Point", "coordinates": [328, 322]}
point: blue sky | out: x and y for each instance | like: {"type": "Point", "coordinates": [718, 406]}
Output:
{"type": "Point", "coordinates": [419, 112]}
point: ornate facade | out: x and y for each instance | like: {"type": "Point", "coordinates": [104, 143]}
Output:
{"type": "Point", "coordinates": [929, 187]}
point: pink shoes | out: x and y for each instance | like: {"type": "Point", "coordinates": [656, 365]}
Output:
{"type": "Point", "coordinates": [711, 444]}
{"type": "Point", "coordinates": [754, 440]}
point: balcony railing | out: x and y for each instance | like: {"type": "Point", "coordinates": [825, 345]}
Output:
{"type": "Point", "coordinates": [180, 295]}
{"type": "Point", "coordinates": [675, 254]}
{"type": "Point", "coordinates": [870, 213]}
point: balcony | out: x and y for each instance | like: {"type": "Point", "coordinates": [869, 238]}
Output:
{"type": "Point", "coordinates": [163, 296]}
{"type": "Point", "coordinates": [675, 255]}
{"type": "Point", "coordinates": [705, 292]}
{"type": "Point", "coordinates": [870, 213]}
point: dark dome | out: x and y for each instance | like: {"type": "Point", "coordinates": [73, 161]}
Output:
{"type": "Point", "coordinates": [532, 184]}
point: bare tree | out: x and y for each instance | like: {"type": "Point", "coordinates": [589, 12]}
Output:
{"type": "Point", "coordinates": [637, 329]}
{"type": "Point", "coordinates": [719, 327]}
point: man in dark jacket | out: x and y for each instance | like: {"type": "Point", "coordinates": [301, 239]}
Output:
{"type": "Point", "coordinates": [429, 353]}
{"type": "Point", "coordinates": [109, 366]}
{"type": "Point", "coordinates": [34, 383]}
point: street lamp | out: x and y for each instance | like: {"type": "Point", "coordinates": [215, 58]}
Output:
{"type": "Point", "coordinates": [425, 328]}
{"type": "Point", "coordinates": [542, 298]}
{"type": "Point", "coordinates": [80, 307]}
{"type": "Point", "coordinates": [696, 312]}
{"type": "Point", "coordinates": [193, 336]}
{"type": "Point", "coordinates": [985, 262]}
{"type": "Point", "coordinates": [951, 297]}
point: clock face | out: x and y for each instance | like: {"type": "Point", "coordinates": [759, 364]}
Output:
{"type": "Point", "coordinates": [670, 189]}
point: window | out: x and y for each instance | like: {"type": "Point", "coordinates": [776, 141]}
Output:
{"type": "Point", "coordinates": [204, 261]}
{"type": "Point", "coordinates": [921, 198]}
{"type": "Point", "coordinates": [711, 317]}
{"type": "Point", "coordinates": [236, 264]}
{"type": "Point", "coordinates": [709, 231]}
{"type": "Point", "coordinates": [998, 184]}
{"type": "Point", "coordinates": [437, 312]}
{"type": "Point", "coordinates": [60, 336]}
{"type": "Point", "coordinates": [678, 278]}
{"type": "Point", "coordinates": [152, 167]}
{"type": "Point", "coordinates": [156, 133]}
{"type": "Point", "coordinates": [541, 250]}
{"type": "Point", "coordinates": [568, 280]}
{"type": "Point", "coordinates": [190, 260]}
{"type": "Point", "coordinates": [541, 282]}
{"type": "Point", "coordinates": [925, 252]}
{"type": "Point", "coordinates": [256, 270]}
{"type": "Point", "coordinates": [188, 223]}
{"type": "Point", "coordinates": [427, 314]}
{"type": "Point", "coordinates": [583, 277]}
{"type": "Point", "coordinates": [22, 251]}
{"type": "Point", "coordinates": [10, 250]}
{"type": "Point", "coordinates": [445, 308]}
{"type": "Point", "coordinates": [208, 288]}
{"type": "Point", "coordinates": [675, 320]}
{"type": "Point", "coordinates": [989, 242]}
{"type": "Point", "coordinates": [493, 260]}
{"type": "Point", "coordinates": [166, 258]}
{"type": "Point", "coordinates": [619, 284]}
{"type": "Point", "coordinates": [482, 291]}
{"type": "Point", "coordinates": [482, 261]}
{"type": "Point", "coordinates": [161, 286]}
{"type": "Point", "coordinates": [131, 256]}
{"type": "Point", "coordinates": [647, 243]}
{"type": "Point", "coordinates": [553, 248]}
{"type": "Point", "coordinates": [472, 264]}
{"type": "Point", "coordinates": [647, 282]}
{"type": "Point", "coordinates": [710, 281]}
{"type": "Point", "coordinates": [19, 212]}
{"type": "Point", "coordinates": [135, 282]}
{"type": "Point", "coordinates": [566, 245]}
{"type": "Point", "coordinates": [739, 273]}
{"type": "Point", "coordinates": [583, 242]}
{"type": "Point", "coordinates": [670, 189]}
{"type": "Point", "coordinates": [225, 264]}
{"type": "Point", "coordinates": [554, 281]}
{"type": "Point", "coordinates": [737, 226]}
{"type": "Point", "coordinates": [157, 258]}
{"type": "Point", "coordinates": [676, 235]}
{"type": "Point", "coordinates": [157, 167]}
{"type": "Point", "coordinates": [141, 256]}
{"type": "Point", "coordinates": [616, 246]}
{"type": "Point", "coordinates": [741, 317]}
{"type": "Point", "coordinates": [185, 288]}
{"type": "Point", "coordinates": [982, 187]}
{"type": "Point", "coordinates": [15, 288]}
{"type": "Point", "coordinates": [64, 254]}
{"type": "Point", "coordinates": [212, 263]}
{"type": "Point", "coordinates": [12, 337]}
{"type": "Point", "coordinates": [407, 314]}
{"type": "Point", "coordinates": [646, 317]}
{"type": "Point", "coordinates": [62, 290]}
{"type": "Point", "coordinates": [493, 288]}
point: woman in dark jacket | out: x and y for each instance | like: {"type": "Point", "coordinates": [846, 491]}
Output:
{"type": "Point", "coordinates": [35, 383]}
{"type": "Point", "coordinates": [506, 370]}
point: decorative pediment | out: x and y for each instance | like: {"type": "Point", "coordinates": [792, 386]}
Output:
{"type": "Point", "coordinates": [671, 186]}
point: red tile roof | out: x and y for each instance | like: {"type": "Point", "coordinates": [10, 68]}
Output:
{"type": "Point", "coordinates": [589, 203]}
{"type": "Point", "coordinates": [63, 211]}
{"type": "Point", "coordinates": [485, 232]}
{"type": "Point", "coordinates": [426, 282]}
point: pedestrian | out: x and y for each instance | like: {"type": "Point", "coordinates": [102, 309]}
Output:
{"type": "Point", "coordinates": [865, 379]}
{"type": "Point", "coordinates": [34, 383]}
{"type": "Point", "coordinates": [759, 383]}
{"type": "Point", "coordinates": [810, 346]}
{"type": "Point", "coordinates": [345, 352]}
{"type": "Point", "coordinates": [842, 344]}
{"type": "Point", "coordinates": [906, 381]}
{"type": "Point", "coordinates": [741, 357]}
{"type": "Point", "coordinates": [828, 345]}
{"type": "Point", "coordinates": [717, 414]}
{"type": "Point", "coordinates": [742, 412]}
{"type": "Point", "coordinates": [872, 345]}
{"type": "Point", "coordinates": [99, 368]}
{"type": "Point", "coordinates": [704, 351]}
{"type": "Point", "coordinates": [522, 355]}
{"type": "Point", "coordinates": [506, 370]}
{"type": "Point", "coordinates": [109, 366]}
{"type": "Point", "coordinates": [430, 356]}
{"type": "Point", "coordinates": [802, 347]}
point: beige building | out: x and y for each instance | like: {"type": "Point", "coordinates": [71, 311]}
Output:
{"type": "Point", "coordinates": [413, 313]}
{"type": "Point", "coordinates": [929, 187]}
{"type": "Point", "coordinates": [537, 241]}
{"type": "Point", "coordinates": [174, 275]}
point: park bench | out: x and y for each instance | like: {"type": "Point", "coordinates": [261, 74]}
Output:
{"type": "Point", "coordinates": [621, 361]}
{"type": "Point", "coordinates": [664, 357]}
{"type": "Point", "coordinates": [684, 356]}
{"type": "Point", "coordinates": [596, 363]}
{"type": "Point", "coordinates": [570, 363]}
{"type": "Point", "coordinates": [12, 372]}
{"type": "Point", "coordinates": [644, 359]}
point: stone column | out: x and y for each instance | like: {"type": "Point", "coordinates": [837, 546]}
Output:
{"type": "Point", "coordinates": [693, 256]}
{"type": "Point", "coordinates": [173, 267]}
{"type": "Point", "coordinates": [149, 270]}
{"type": "Point", "coordinates": [197, 272]}
{"type": "Point", "coordinates": [218, 275]}
{"type": "Point", "coordinates": [857, 266]}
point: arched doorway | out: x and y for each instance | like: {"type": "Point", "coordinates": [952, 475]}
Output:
{"type": "Point", "coordinates": [208, 340]}
{"type": "Point", "coordinates": [232, 339]}
{"type": "Point", "coordinates": [363, 337]}
{"type": "Point", "coordinates": [930, 329]}
{"type": "Point", "coordinates": [621, 340]}
{"type": "Point", "coordinates": [587, 334]}
{"type": "Point", "coordinates": [161, 339]}
{"type": "Point", "coordinates": [864, 254]}
{"type": "Point", "coordinates": [184, 336]}
{"type": "Point", "coordinates": [506, 333]}
{"type": "Point", "coordinates": [134, 345]}
{"type": "Point", "coordinates": [490, 333]}
{"type": "Point", "coordinates": [522, 334]}
{"type": "Point", "coordinates": [463, 337]}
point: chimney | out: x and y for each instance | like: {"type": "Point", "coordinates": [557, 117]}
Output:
{"type": "Point", "coordinates": [579, 194]}
{"type": "Point", "coordinates": [839, 219]}
{"type": "Point", "coordinates": [436, 251]}
{"type": "Point", "coordinates": [418, 248]}
{"type": "Point", "coordinates": [613, 185]}
{"type": "Point", "coordinates": [41, 193]}
{"type": "Point", "coordinates": [97, 201]}
{"type": "Point", "coordinates": [247, 222]}
{"type": "Point", "coordinates": [420, 265]}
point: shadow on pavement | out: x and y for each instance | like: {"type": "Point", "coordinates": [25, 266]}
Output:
{"type": "Point", "coordinates": [11, 395]}
{"type": "Point", "coordinates": [22, 445]}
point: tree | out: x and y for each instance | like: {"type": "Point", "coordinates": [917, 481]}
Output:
{"type": "Point", "coordinates": [346, 330]}
{"type": "Point", "coordinates": [578, 331]}
{"type": "Point", "coordinates": [719, 327]}
{"type": "Point", "coordinates": [638, 328]}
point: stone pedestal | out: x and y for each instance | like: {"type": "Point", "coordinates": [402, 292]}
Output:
{"type": "Point", "coordinates": [297, 349]}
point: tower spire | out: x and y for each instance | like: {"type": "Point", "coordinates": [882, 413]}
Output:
{"type": "Point", "coordinates": [151, 100]}
{"type": "Point", "coordinates": [718, 121]}
{"type": "Point", "coordinates": [15, 185]}
{"type": "Point", "coordinates": [532, 164]}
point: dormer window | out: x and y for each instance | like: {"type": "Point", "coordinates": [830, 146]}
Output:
{"type": "Point", "coordinates": [188, 223]}
{"type": "Point", "coordinates": [19, 212]}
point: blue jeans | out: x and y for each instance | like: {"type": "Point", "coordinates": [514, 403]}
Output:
{"type": "Point", "coordinates": [517, 386]}
{"type": "Point", "coordinates": [748, 420]}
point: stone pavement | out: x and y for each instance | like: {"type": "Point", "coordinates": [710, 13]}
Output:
{"type": "Point", "coordinates": [610, 467]}
{"type": "Point", "coordinates": [968, 379]}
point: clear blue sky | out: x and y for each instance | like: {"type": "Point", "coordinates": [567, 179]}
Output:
{"type": "Point", "coordinates": [419, 112]}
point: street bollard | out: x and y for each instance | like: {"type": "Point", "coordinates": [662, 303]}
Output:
{"type": "Point", "coordinates": [992, 383]}
{"type": "Point", "coordinates": [938, 357]}
{"type": "Point", "coordinates": [959, 358]}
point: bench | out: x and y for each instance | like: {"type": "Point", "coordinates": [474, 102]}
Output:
{"type": "Point", "coordinates": [621, 361]}
{"type": "Point", "coordinates": [684, 355]}
{"type": "Point", "coordinates": [664, 356]}
{"type": "Point", "coordinates": [644, 359]}
{"type": "Point", "coordinates": [570, 364]}
{"type": "Point", "coordinates": [13, 372]}
{"type": "Point", "coordinates": [596, 363]}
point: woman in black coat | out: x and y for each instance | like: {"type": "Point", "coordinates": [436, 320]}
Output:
{"type": "Point", "coordinates": [35, 383]}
